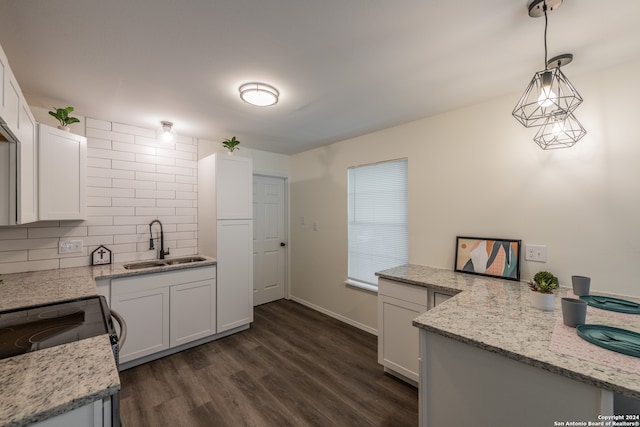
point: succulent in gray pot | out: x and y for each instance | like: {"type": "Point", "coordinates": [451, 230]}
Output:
{"type": "Point", "coordinates": [543, 285]}
{"type": "Point", "coordinates": [62, 115]}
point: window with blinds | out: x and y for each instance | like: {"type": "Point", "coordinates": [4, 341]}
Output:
{"type": "Point", "coordinates": [378, 225]}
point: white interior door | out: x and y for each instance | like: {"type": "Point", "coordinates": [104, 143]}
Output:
{"type": "Point", "coordinates": [269, 245]}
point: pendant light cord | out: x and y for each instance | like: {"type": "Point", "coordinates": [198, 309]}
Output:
{"type": "Point", "coordinates": [544, 8]}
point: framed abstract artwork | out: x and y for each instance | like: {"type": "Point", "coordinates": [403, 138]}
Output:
{"type": "Point", "coordinates": [488, 257]}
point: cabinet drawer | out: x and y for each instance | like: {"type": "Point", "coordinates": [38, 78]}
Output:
{"type": "Point", "coordinates": [416, 294]}
{"type": "Point", "coordinates": [161, 279]}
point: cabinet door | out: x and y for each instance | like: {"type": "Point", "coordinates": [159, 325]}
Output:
{"type": "Point", "coordinates": [234, 187]}
{"type": "Point", "coordinates": [89, 415]}
{"type": "Point", "coordinates": [235, 274]}
{"type": "Point", "coordinates": [62, 170]}
{"type": "Point", "coordinates": [192, 311]}
{"type": "Point", "coordinates": [4, 70]}
{"type": "Point", "coordinates": [11, 101]}
{"type": "Point", "coordinates": [6, 184]}
{"type": "Point", "coordinates": [28, 167]}
{"type": "Point", "coordinates": [398, 338]}
{"type": "Point", "coordinates": [146, 314]}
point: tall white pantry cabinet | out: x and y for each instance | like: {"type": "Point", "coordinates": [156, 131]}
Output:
{"type": "Point", "coordinates": [225, 232]}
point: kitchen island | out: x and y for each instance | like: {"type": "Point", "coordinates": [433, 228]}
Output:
{"type": "Point", "coordinates": [43, 384]}
{"type": "Point", "coordinates": [488, 358]}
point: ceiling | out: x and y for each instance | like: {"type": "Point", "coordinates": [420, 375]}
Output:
{"type": "Point", "coordinates": [344, 68]}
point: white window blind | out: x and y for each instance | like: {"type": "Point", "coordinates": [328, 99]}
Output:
{"type": "Point", "coordinates": [378, 226]}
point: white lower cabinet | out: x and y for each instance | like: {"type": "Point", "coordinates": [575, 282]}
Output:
{"type": "Point", "coordinates": [146, 313]}
{"type": "Point", "coordinates": [235, 273]}
{"type": "Point", "coordinates": [398, 304]}
{"type": "Point", "coordinates": [192, 312]}
{"type": "Point", "coordinates": [165, 310]}
{"type": "Point", "coordinates": [95, 414]}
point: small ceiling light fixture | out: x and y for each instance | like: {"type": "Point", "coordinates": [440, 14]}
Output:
{"type": "Point", "coordinates": [166, 132]}
{"type": "Point", "coordinates": [550, 96]}
{"type": "Point", "coordinates": [260, 94]}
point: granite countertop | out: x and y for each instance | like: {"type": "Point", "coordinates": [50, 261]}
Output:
{"type": "Point", "coordinates": [496, 315]}
{"type": "Point", "coordinates": [45, 383]}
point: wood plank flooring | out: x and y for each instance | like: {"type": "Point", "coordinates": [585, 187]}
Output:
{"type": "Point", "coordinates": [293, 367]}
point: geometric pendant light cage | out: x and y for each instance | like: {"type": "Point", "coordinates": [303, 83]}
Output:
{"type": "Point", "coordinates": [560, 130]}
{"type": "Point", "coordinates": [550, 99]}
{"type": "Point", "coordinates": [549, 92]}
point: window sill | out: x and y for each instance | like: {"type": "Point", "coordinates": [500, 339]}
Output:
{"type": "Point", "coordinates": [362, 286]}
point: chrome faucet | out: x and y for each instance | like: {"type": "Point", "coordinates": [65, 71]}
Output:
{"type": "Point", "coordinates": [151, 247]}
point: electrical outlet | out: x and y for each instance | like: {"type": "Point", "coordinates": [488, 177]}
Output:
{"type": "Point", "coordinates": [70, 246]}
{"type": "Point", "coordinates": [537, 253]}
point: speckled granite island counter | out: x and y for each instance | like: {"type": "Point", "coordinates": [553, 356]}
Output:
{"type": "Point", "coordinates": [487, 353]}
{"type": "Point", "coordinates": [42, 384]}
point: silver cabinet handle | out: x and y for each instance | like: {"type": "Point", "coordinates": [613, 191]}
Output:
{"type": "Point", "coordinates": [123, 328]}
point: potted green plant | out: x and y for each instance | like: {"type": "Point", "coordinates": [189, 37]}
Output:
{"type": "Point", "coordinates": [62, 115]}
{"type": "Point", "coordinates": [231, 144]}
{"type": "Point", "coordinates": [543, 285]}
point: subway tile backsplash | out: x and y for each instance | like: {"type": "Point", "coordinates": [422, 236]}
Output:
{"type": "Point", "coordinates": [132, 178]}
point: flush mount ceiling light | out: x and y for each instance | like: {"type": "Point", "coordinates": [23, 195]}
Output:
{"type": "Point", "coordinates": [550, 94]}
{"type": "Point", "coordinates": [260, 94]}
{"type": "Point", "coordinates": [166, 132]}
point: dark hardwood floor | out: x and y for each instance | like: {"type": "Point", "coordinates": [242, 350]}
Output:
{"type": "Point", "coordinates": [293, 367]}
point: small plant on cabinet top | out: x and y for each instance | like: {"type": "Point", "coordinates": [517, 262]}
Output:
{"type": "Point", "coordinates": [62, 115]}
{"type": "Point", "coordinates": [543, 282]}
{"type": "Point", "coordinates": [231, 144]}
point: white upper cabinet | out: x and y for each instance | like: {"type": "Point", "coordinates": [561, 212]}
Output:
{"type": "Point", "coordinates": [225, 191]}
{"type": "Point", "coordinates": [27, 167]}
{"type": "Point", "coordinates": [10, 96]}
{"type": "Point", "coordinates": [62, 174]}
{"type": "Point", "coordinates": [234, 187]}
{"type": "Point", "coordinates": [18, 158]}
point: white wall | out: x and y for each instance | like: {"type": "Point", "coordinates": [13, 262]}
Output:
{"type": "Point", "coordinates": [476, 171]}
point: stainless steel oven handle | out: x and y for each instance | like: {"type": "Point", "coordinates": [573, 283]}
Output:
{"type": "Point", "coordinates": [123, 328]}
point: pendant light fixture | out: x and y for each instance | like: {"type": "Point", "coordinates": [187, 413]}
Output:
{"type": "Point", "coordinates": [560, 130]}
{"type": "Point", "coordinates": [260, 94]}
{"type": "Point", "coordinates": [550, 98]}
{"type": "Point", "coordinates": [166, 132]}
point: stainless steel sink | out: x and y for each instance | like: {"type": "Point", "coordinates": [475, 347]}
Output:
{"type": "Point", "coordinates": [145, 264]}
{"type": "Point", "coordinates": [185, 260]}
{"type": "Point", "coordinates": [163, 262]}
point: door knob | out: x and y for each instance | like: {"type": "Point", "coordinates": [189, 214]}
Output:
{"type": "Point", "coordinates": [283, 244]}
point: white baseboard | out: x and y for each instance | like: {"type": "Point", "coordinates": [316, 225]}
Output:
{"type": "Point", "coordinates": [340, 317]}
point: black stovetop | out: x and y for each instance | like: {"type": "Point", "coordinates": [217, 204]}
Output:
{"type": "Point", "coordinates": [34, 328]}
